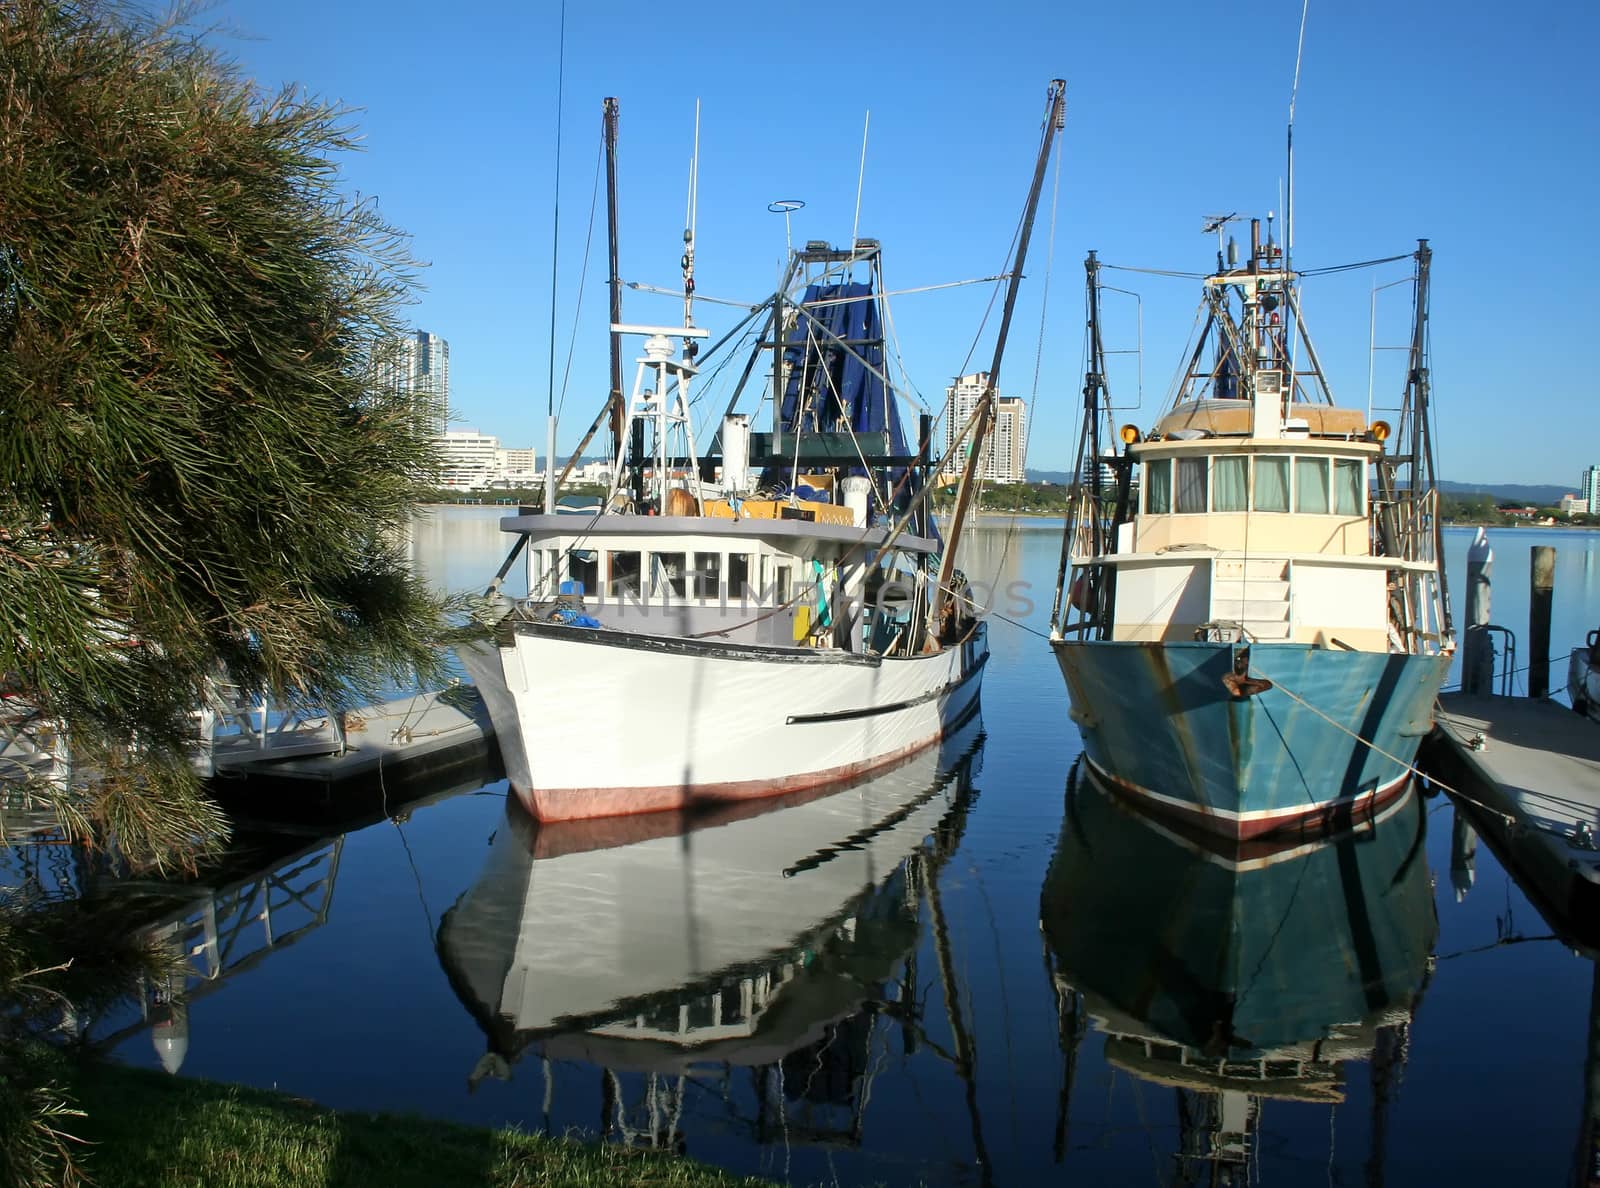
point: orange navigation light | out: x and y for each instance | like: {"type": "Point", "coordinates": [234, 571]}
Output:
{"type": "Point", "coordinates": [1130, 435]}
{"type": "Point", "coordinates": [1380, 431]}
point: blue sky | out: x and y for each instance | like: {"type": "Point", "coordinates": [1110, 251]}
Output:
{"type": "Point", "coordinates": [1473, 124]}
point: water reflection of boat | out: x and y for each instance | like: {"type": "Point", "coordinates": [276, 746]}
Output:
{"type": "Point", "coordinates": [1234, 979]}
{"type": "Point", "coordinates": [752, 937]}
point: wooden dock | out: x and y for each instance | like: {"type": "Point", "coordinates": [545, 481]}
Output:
{"type": "Point", "coordinates": [395, 752]}
{"type": "Point", "coordinates": [1529, 772]}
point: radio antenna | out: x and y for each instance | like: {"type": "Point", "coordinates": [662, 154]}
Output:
{"type": "Point", "coordinates": [1294, 91]}
{"type": "Point", "coordinates": [861, 177]}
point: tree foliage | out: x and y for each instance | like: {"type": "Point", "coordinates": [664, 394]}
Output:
{"type": "Point", "coordinates": [199, 471]}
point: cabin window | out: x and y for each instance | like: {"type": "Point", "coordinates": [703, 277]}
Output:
{"type": "Point", "coordinates": [1272, 483]}
{"type": "Point", "coordinates": [1230, 483]}
{"type": "Point", "coordinates": [1349, 481]}
{"type": "Point", "coordinates": [584, 566]}
{"type": "Point", "coordinates": [1158, 487]}
{"type": "Point", "coordinates": [552, 571]}
{"type": "Point", "coordinates": [669, 574]}
{"type": "Point", "coordinates": [624, 573]}
{"type": "Point", "coordinates": [535, 571]}
{"type": "Point", "coordinates": [1191, 486]}
{"type": "Point", "coordinates": [707, 574]}
{"type": "Point", "coordinates": [739, 575]}
{"type": "Point", "coordinates": [1311, 486]}
{"type": "Point", "coordinates": [781, 583]}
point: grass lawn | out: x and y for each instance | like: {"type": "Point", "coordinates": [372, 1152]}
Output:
{"type": "Point", "coordinates": [151, 1130]}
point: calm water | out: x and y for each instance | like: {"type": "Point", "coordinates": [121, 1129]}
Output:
{"type": "Point", "coordinates": [968, 972]}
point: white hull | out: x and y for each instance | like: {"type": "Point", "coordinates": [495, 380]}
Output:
{"type": "Point", "coordinates": [596, 723]}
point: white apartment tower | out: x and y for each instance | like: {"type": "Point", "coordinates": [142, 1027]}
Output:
{"type": "Point", "coordinates": [1591, 487]}
{"type": "Point", "coordinates": [419, 364]}
{"type": "Point", "coordinates": [1005, 449]}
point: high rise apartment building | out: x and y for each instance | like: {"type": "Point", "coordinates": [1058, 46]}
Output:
{"type": "Point", "coordinates": [1005, 449]}
{"type": "Point", "coordinates": [1591, 488]}
{"type": "Point", "coordinates": [419, 364]}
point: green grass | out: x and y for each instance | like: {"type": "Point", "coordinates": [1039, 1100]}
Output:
{"type": "Point", "coordinates": [149, 1130]}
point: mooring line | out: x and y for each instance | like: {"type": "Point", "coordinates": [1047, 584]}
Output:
{"type": "Point", "coordinates": [1509, 820]}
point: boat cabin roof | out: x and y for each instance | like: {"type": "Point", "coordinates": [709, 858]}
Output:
{"type": "Point", "coordinates": [598, 528]}
{"type": "Point", "coordinates": [1235, 418]}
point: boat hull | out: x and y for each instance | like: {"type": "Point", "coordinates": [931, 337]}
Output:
{"type": "Point", "coordinates": [600, 723]}
{"type": "Point", "coordinates": [1335, 736]}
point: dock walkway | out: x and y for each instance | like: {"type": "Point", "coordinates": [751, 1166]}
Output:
{"type": "Point", "coordinates": [1533, 769]}
{"type": "Point", "coordinates": [395, 751]}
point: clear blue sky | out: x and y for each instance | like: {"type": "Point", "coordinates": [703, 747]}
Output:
{"type": "Point", "coordinates": [1471, 123]}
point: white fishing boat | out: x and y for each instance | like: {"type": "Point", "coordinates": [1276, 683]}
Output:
{"type": "Point", "coordinates": [775, 613]}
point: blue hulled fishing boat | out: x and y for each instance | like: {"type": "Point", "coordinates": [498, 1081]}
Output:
{"type": "Point", "coordinates": [1251, 613]}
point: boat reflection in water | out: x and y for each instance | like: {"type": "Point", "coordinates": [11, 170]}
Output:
{"type": "Point", "coordinates": [775, 936]}
{"type": "Point", "coordinates": [1237, 977]}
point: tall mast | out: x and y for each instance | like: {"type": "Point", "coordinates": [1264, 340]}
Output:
{"type": "Point", "coordinates": [618, 411]}
{"type": "Point", "coordinates": [690, 346]}
{"type": "Point", "coordinates": [984, 414]}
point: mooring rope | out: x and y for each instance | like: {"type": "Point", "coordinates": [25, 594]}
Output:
{"type": "Point", "coordinates": [1509, 821]}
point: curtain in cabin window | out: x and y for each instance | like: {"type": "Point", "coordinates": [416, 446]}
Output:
{"type": "Point", "coordinates": [1230, 479]}
{"type": "Point", "coordinates": [1272, 483]}
{"type": "Point", "coordinates": [1311, 486]}
{"type": "Point", "coordinates": [1158, 488]}
{"type": "Point", "coordinates": [1191, 485]}
{"type": "Point", "coordinates": [1349, 476]}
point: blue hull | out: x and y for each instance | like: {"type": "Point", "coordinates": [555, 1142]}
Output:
{"type": "Point", "coordinates": [1159, 723]}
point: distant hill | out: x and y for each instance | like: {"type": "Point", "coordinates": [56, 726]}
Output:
{"type": "Point", "coordinates": [1528, 494]}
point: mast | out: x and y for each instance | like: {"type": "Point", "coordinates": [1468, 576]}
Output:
{"type": "Point", "coordinates": [618, 411]}
{"type": "Point", "coordinates": [1094, 394]}
{"type": "Point", "coordinates": [690, 347]}
{"type": "Point", "coordinates": [983, 415]}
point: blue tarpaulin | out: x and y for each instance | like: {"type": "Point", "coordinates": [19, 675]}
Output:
{"type": "Point", "coordinates": [834, 361]}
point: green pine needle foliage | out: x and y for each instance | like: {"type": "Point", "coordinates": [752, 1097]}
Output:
{"type": "Point", "coordinates": [199, 470]}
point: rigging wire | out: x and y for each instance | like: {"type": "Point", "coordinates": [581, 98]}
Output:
{"type": "Point", "coordinates": [583, 271]}
{"type": "Point", "coordinates": [663, 291]}
{"type": "Point", "coordinates": [1038, 354]}
{"type": "Point", "coordinates": [1328, 271]}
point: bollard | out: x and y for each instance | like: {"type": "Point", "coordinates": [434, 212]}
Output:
{"type": "Point", "coordinates": [1477, 650]}
{"type": "Point", "coordinates": [1541, 594]}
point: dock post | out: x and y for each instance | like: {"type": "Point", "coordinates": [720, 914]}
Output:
{"type": "Point", "coordinates": [1477, 650]}
{"type": "Point", "coordinates": [1541, 593]}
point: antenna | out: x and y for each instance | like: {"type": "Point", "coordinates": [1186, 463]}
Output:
{"type": "Point", "coordinates": [1294, 92]}
{"type": "Point", "coordinates": [1288, 208]}
{"type": "Point", "coordinates": [786, 207]}
{"type": "Point", "coordinates": [1215, 225]}
{"type": "Point", "coordinates": [855, 227]}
